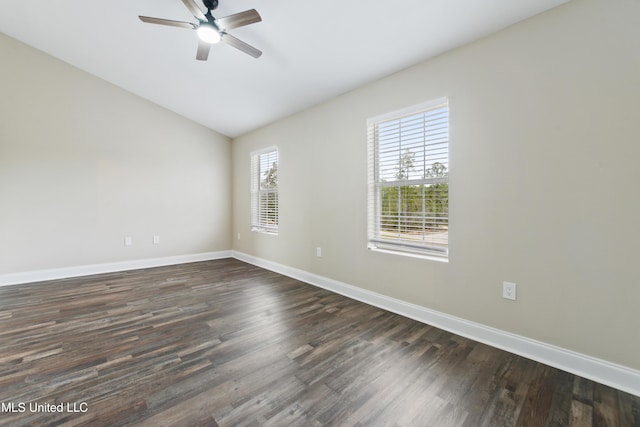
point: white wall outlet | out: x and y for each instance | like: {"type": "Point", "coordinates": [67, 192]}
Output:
{"type": "Point", "coordinates": [509, 290]}
{"type": "Point", "coordinates": [319, 252]}
{"type": "Point", "coordinates": [238, 236]}
{"type": "Point", "coordinates": [156, 240]}
{"type": "Point", "coordinates": [128, 241]}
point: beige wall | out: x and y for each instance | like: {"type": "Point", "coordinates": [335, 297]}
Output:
{"type": "Point", "coordinates": [84, 164]}
{"type": "Point", "coordinates": [544, 164]}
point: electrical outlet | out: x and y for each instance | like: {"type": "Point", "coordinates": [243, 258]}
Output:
{"type": "Point", "coordinates": [238, 236]}
{"type": "Point", "coordinates": [509, 290]}
{"type": "Point", "coordinates": [319, 252]}
{"type": "Point", "coordinates": [128, 241]}
{"type": "Point", "coordinates": [156, 240]}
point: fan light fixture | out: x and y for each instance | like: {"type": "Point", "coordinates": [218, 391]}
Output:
{"type": "Point", "coordinates": [208, 33]}
{"type": "Point", "coordinates": [210, 29]}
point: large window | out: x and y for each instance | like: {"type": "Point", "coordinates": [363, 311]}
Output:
{"type": "Point", "coordinates": [264, 190]}
{"type": "Point", "coordinates": [409, 180]}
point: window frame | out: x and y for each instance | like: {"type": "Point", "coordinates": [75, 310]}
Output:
{"type": "Point", "coordinates": [376, 184]}
{"type": "Point", "coordinates": [259, 213]}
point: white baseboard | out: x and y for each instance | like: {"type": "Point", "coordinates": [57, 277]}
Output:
{"type": "Point", "coordinates": [86, 270]}
{"type": "Point", "coordinates": [611, 374]}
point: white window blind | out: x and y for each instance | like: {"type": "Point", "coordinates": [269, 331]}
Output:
{"type": "Point", "coordinates": [264, 190]}
{"type": "Point", "coordinates": [408, 202]}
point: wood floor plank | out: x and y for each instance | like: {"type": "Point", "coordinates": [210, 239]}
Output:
{"type": "Point", "coordinates": [537, 405]}
{"type": "Point", "coordinates": [225, 343]}
{"type": "Point", "coordinates": [581, 414]}
{"type": "Point", "coordinates": [605, 406]}
{"type": "Point", "coordinates": [560, 410]}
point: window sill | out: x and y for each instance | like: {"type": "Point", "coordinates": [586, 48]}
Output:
{"type": "Point", "coordinates": [430, 257]}
{"type": "Point", "coordinates": [265, 231]}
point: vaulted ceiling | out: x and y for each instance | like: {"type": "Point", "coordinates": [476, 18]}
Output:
{"type": "Point", "coordinates": [312, 50]}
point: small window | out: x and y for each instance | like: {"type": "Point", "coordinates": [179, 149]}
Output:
{"type": "Point", "coordinates": [264, 191]}
{"type": "Point", "coordinates": [408, 202]}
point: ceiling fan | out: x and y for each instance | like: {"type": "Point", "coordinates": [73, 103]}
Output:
{"type": "Point", "coordinates": [212, 30]}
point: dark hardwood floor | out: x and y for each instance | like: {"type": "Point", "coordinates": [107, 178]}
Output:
{"type": "Point", "coordinates": [226, 343]}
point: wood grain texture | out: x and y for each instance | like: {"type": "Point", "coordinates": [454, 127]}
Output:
{"type": "Point", "coordinates": [225, 343]}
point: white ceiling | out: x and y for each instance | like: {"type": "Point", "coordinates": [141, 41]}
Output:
{"type": "Point", "coordinates": [312, 50]}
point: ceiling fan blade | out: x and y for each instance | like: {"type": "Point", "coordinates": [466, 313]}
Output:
{"type": "Point", "coordinates": [168, 22]}
{"type": "Point", "coordinates": [239, 19]}
{"type": "Point", "coordinates": [203, 50]}
{"type": "Point", "coordinates": [194, 9]}
{"type": "Point", "coordinates": [239, 44]}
